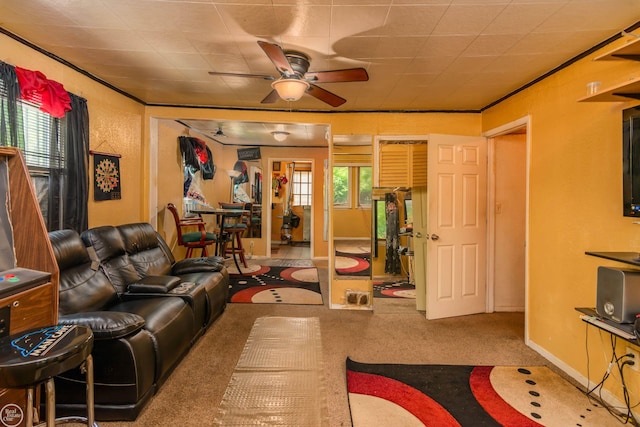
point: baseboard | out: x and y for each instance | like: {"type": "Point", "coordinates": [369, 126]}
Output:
{"type": "Point", "coordinates": [607, 396]}
{"type": "Point", "coordinates": [350, 307]}
{"type": "Point", "coordinates": [509, 309]}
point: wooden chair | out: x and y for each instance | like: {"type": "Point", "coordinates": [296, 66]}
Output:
{"type": "Point", "coordinates": [192, 239]}
{"type": "Point", "coordinates": [255, 221]}
{"type": "Point", "coordinates": [234, 226]}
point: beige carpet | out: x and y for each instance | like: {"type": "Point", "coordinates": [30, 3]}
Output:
{"type": "Point", "coordinates": [191, 395]}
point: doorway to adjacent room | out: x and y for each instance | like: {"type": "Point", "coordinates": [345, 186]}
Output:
{"type": "Point", "coordinates": [290, 234]}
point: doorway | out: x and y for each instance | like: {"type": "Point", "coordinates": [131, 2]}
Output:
{"type": "Point", "coordinates": [290, 232]}
{"type": "Point", "coordinates": [508, 205]}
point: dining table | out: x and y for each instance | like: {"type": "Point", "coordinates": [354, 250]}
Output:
{"type": "Point", "coordinates": [221, 216]}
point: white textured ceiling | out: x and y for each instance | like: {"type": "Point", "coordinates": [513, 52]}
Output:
{"type": "Point", "coordinates": [419, 54]}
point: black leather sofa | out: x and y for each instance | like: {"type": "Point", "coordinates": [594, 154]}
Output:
{"type": "Point", "coordinates": [145, 309]}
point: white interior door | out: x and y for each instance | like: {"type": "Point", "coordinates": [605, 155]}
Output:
{"type": "Point", "coordinates": [457, 223]}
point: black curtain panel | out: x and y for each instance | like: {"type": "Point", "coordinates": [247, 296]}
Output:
{"type": "Point", "coordinates": [10, 131]}
{"type": "Point", "coordinates": [76, 138]}
{"type": "Point", "coordinates": [392, 262]}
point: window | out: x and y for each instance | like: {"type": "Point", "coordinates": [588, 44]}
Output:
{"type": "Point", "coordinates": [302, 188]}
{"type": "Point", "coordinates": [341, 193]}
{"type": "Point", "coordinates": [364, 186]}
{"type": "Point", "coordinates": [42, 147]}
{"type": "Point", "coordinates": [43, 154]}
{"type": "Point", "coordinates": [56, 150]}
{"type": "Point", "coordinates": [381, 220]}
{"type": "Point", "coordinates": [349, 181]}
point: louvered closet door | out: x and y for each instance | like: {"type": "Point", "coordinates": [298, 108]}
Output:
{"type": "Point", "coordinates": [394, 159]}
{"type": "Point", "coordinates": [418, 165]}
{"type": "Point", "coordinates": [403, 164]}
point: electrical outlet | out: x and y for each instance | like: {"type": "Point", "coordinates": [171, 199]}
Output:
{"type": "Point", "coordinates": [351, 296]}
{"type": "Point", "coordinates": [635, 358]}
{"type": "Point", "coordinates": [251, 244]}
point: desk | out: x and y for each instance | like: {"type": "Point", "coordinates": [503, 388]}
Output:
{"type": "Point", "coordinates": [221, 215]}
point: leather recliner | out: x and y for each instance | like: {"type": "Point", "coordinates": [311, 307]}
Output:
{"type": "Point", "coordinates": [149, 254]}
{"type": "Point", "coordinates": [143, 324]}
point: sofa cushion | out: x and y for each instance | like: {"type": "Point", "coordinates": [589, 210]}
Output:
{"type": "Point", "coordinates": [68, 248]}
{"type": "Point", "coordinates": [143, 248]}
{"type": "Point", "coordinates": [196, 236]}
{"type": "Point", "coordinates": [170, 323]}
{"type": "Point", "coordinates": [165, 248]}
{"type": "Point", "coordinates": [109, 249]}
{"type": "Point", "coordinates": [195, 265]}
{"type": "Point", "coordinates": [106, 324]}
{"type": "Point", "coordinates": [82, 286]}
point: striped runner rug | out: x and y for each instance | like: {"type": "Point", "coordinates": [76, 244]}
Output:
{"type": "Point", "coordinates": [279, 378]}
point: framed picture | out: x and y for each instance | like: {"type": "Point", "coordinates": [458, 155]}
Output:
{"type": "Point", "coordinates": [276, 166]}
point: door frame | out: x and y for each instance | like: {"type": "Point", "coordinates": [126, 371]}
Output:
{"type": "Point", "coordinates": [523, 122]}
{"type": "Point", "coordinates": [421, 288]}
{"type": "Point", "coordinates": [269, 217]}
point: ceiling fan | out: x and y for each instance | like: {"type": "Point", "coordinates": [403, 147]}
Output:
{"type": "Point", "coordinates": [295, 79]}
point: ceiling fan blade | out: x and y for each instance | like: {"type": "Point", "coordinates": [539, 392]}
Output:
{"type": "Point", "coordinates": [335, 76]}
{"type": "Point", "coordinates": [325, 96]}
{"type": "Point", "coordinates": [271, 98]}
{"type": "Point", "coordinates": [257, 76]}
{"type": "Point", "coordinates": [277, 56]}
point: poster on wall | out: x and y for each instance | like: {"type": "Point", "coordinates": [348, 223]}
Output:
{"type": "Point", "coordinates": [106, 176]}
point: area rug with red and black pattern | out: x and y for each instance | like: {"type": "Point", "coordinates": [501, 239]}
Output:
{"type": "Point", "coordinates": [353, 258]}
{"type": "Point", "coordinates": [455, 395]}
{"type": "Point", "coordinates": [394, 289]}
{"type": "Point", "coordinates": [275, 283]}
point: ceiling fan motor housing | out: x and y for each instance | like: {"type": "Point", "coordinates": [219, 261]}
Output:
{"type": "Point", "coordinates": [299, 62]}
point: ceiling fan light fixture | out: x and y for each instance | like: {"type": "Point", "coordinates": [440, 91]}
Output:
{"type": "Point", "coordinates": [290, 89]}
{"type": "Point", "coordinates": [280, 135]}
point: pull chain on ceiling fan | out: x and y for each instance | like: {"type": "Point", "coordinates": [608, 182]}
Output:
{"type": "Point", "coordinates": [295, 79]}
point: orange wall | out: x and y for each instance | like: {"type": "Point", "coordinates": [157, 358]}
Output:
{"type": "Point", "coordinates": [116, 126]}
{"type": "Point", "coordinates": [575, 205]}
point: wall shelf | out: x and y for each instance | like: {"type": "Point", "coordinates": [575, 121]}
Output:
{"type": "Point", "coordinates": [623, 91]}
{"type": "Point", "coordinates": [625, 331]}
{"type": "Point", "coordinates": [632, 258]}
{"type": "Point", "coordinates": [629, 51]}
{"type": "Point", "coordinates": [619, 93]}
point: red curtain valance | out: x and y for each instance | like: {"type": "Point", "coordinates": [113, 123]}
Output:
{"type": "Point", "coordinates": [49, 94]}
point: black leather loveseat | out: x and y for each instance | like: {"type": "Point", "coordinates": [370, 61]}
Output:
{"type": "Point", "coordinates": [145, 309]}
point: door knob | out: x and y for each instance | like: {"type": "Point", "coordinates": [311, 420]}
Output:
{"type": "Point", "coordinates": [418, 234]}
{"type": "Point", "coordinates": [434, 237]}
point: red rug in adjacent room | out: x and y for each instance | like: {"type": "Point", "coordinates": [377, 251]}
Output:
{"type": "Point", "coordinates": [353, 258]}
{"type": "Point", "coordinates": [393, 289]}
{"type": "Point", "coordinates": [268, 284]}
{"type": "Point", "coordinates": [452, 395]}
{"type": "Point", "coordinates": [352, 264]}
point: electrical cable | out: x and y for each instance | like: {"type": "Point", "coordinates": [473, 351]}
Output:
{"type": "Point", "coordinates": [619, 362]}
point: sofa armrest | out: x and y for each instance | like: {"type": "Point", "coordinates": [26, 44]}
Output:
{"type": "Point", "coordinates": [197, 265]}
{"type": "Point", "coordinates": [154, 285]}
{"type": "Point", "coordinates": [105, 324]}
